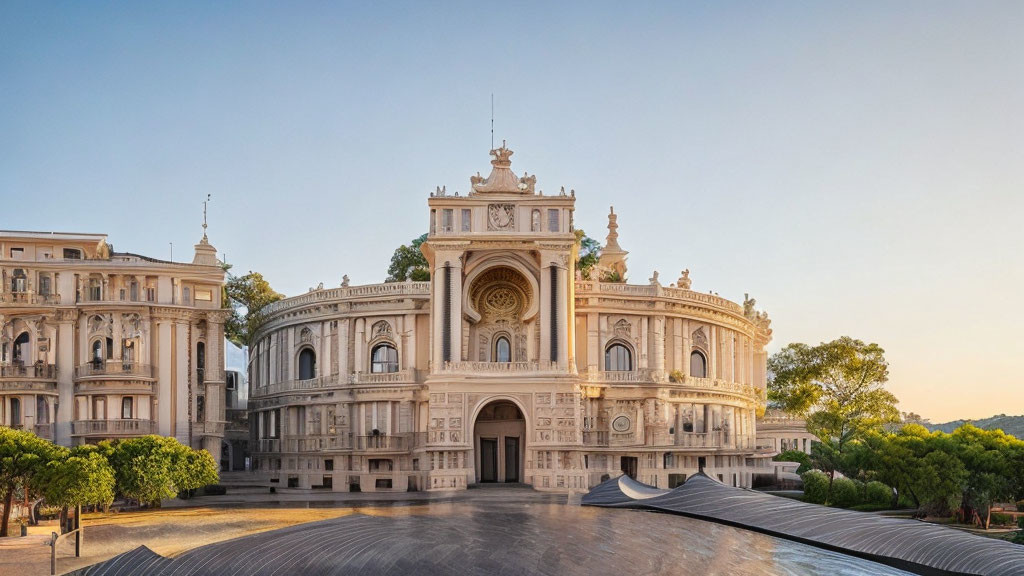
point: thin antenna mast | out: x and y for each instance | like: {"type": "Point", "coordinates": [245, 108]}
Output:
{"type": "Point", "coordinates": [492, 120]}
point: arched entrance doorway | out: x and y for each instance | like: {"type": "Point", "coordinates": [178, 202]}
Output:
{"type": "Point", "coordinates": [499, 435]}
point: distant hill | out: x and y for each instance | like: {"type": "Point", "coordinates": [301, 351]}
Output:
{"type": "Point", "coordinates": [1013, 425]}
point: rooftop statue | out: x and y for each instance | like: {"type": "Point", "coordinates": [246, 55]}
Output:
{"type": "Point", "coordinates": [684, 280]}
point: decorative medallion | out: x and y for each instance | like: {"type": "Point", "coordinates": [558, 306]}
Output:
{"type": "Point", "coordinates": [621, 424]}
{"type": "Point", "coordinates": [501, 216]}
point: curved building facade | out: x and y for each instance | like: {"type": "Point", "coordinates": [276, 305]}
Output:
{"type": "Point", "coordinates": [508, 365]}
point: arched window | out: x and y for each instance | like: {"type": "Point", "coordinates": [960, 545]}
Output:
{"type": "Point", "coordinates": [21, 348]}
{"type": "Point", "coordinates": [307, 364]}
{"type": "Point", "coordinates": [617, 358]}
{"type": "Point", "coordinates": [97, 352]}
{"type": "Point", "coordinates": [384, 359]}
{"type": "Point", "coordinates": [502, 350]}
{"type": "Point", "coordinates": [698, 364]}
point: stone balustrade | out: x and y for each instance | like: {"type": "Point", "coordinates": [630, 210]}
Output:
{"type": "Point", "coordinates": [584, 287]}
{"type": "Point", "coordinates": [29, 371]}
{"type": "Point", "coordinates": [98, 369]}
{"type": "Point", "coordinates": [120, 427]}
{"type": "Point", "coordinates": [501, 367]}
{"type": "Point", "coordinates": [29, 299]}
{"type": "Point", "coordinates": [389, 289]}
{"type": "Point", "coordinates": [44, 431]}
{"type": "Point", "coordinates": [408, 376]}
{"type": "Point", "coordinates": [402, 442]}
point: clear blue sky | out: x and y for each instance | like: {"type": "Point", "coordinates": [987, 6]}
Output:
{"type": "Point", "coordinates": [857, 167]}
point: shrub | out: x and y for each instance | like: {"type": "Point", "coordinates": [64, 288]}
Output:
{"type": "Point", "coordinates": [815, 486]}
{"type": "Point", "coordinates": [845, 493]}
{"type": "Point", "coordinates": [998, 519]}
{"type": "Point", "coordinates": [1020, 522]}
{"type": "Point", "coordinates": [676, 376]}
{"type": "Point", "coordinates": [1020, 505]}
{"type": "Point", "coordinates": [878, 493]}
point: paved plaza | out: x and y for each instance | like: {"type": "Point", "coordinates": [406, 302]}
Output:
{"type": "Point", "coordinates": [497, 531]}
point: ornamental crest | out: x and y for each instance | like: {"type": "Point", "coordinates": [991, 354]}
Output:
{"type": "Point", "coordinates": [501, 216]}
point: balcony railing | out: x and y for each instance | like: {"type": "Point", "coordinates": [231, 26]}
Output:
{"type": "Point", "coordinates": [29, 371]}
{"type": "Point", "coordinates": [207, 428]}
{"type": "Point", "coordinates": [655, 291]}
{"type": "Point", "coordinates": [710, 440]}
{"type": "Point", "coordinates": [407, 376]}
{"type": "Point", "coordinates": [44, 431]}
{"type": "Point", "coordinates": [268, 445]}
{"type": "Point", "coordinates": [643, 375]}
{"type": "Point", "coordinates": [29, 299]}
{"type": "Point", "coordinates": [401, 377]}
{"type": "Point", "coordinates": [112, 427]}
{"type": "Point", "coordinates": [389, 443]}
{"type": "Point", "coordinates": [113, 368]}
{"type": "Point", "coordinates": [318, 442]}
{"type": "Point", "coordinates": [545, 367]}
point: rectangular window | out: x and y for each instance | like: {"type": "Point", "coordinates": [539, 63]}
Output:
{"type": "Point", "coordinates": [553, 220]}
{"type": "Point", "coordinates": [135, 291]}
{"type": "Point", "coordinates": [17, 253]}
{"type": "Point", "coordinates": [446, 220]}
{"type": "Point", "coordinates": [122, 294]}
{"type": "Point", "coordinates": [44, 285]}
{"type": "Point", "coordinates": [72, 254]}
{"type": "Point", "coordinates": [467, 220]}
{"type": "Point", "coordinates": [433, 221]}
{"type": "Point", "coordinates": [126, 408]}
{"type": "Point", "coordinates": [150, 294]}
{"type": "Point", "coordinates": [186, 296]}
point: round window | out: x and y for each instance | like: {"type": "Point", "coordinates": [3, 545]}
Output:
{"type": "Point", "coordinates": [621, 424]}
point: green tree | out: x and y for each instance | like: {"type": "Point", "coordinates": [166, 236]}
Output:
{"type": "Point", "coordinates": [247, 296]}
{"type": "Point", "coordinates": [838, 387]}
{"type": "Point", "coordinates": [151, 468]}
{"type": "Point", "coordinates": [80, 476]}
{"type": "Point", "coordinates": [23, 455]}
{"type": "Point", "coordinates": [989, 458]}
{"type": "Point", "coordinates": [409, 263]}
{"type": "Point", "coordinates": [191, 469]}
{"type": "Point", "coordinates": [589, 253]}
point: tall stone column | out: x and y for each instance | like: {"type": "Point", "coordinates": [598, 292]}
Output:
{"type": "Point", "coordinates": [343, 344]}
{"type": "Point", "coordinates": [65, 360]}
{"type": "Point", "coordinates": [545, 323]}
{"type": "Point", "coordinates": [659, 343]}
{"type": "Point", "coordinates": [182, 382]}
{"type": "Point", "coordinates": [677, 346]}
{"type": "Point", "coordinates": [594, 356]}
{"type": "Point", "coordinates": [165, 384]}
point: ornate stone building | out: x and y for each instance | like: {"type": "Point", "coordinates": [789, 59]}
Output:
{"type": "Point", "coordinates": [507, 366]}
{"type": "Point", "coordinates": [97, 344]}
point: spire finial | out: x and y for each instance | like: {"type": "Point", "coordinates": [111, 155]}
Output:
{"type": "Point", "coordinates": [205, 239]}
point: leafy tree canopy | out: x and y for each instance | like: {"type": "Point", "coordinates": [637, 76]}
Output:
{"type": "Point", "coordinates": [81, 477]}
{"type": "Point", "coordinates": [409, 263]}
{"type": "Point", "coordinates": [247, 296]}
{"type": "Point", "coordinates": [838, 386]}
{"type": "Point", "coordinates": [23, 456]}
{"type": "Point", "coordinates": [151, 468]}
